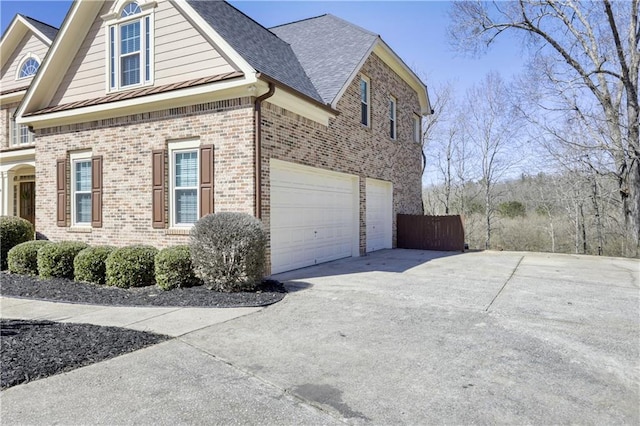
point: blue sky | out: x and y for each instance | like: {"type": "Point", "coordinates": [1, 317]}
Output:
{"type": "Point", "coordinates": [415, 30]}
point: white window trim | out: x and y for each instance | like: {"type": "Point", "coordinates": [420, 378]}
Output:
{"type": "Point", "coordinates": [75, 157]}
{"type": "Point", "coordinates": [113, 20]}
{"type": "Point", "coordinates": [368, 103]}
{"type": "Point", "coordinates": [173, 148]}
{"type": "Point", "coordinates": [28, 56]}
{"type": "Point", "coordinates": [417, 128]}
{"type": "Point", "coordinates": [393, 118]}
{"type": "Point", "coordinates": [15, 136]}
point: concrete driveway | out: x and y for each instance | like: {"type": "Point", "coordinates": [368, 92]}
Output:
{"type": "Point", "coordinates": [397, 337]}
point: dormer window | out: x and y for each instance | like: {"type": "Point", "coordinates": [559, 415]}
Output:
{"type": "Point", "coordinates": [29, 67]}
{"type": "Point", "coordinates": [130, 48]}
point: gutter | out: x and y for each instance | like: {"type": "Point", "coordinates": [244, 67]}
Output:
{"type": "Point", "coordinates": [257, 135]}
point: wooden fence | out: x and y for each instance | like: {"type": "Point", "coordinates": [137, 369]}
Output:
{"type": "Point", "coordinates": [444, 233]}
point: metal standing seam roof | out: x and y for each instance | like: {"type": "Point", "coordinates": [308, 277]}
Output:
{"type": "Point", "coordinates": [136, 93]}
{"type": "Point", "coordinates": [329, 49]}
{"type": "Point", "coordinates": [261, 48]}
{"type": "Point", "coordinates": [45, 29]}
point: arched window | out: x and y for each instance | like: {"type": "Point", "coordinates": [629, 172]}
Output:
{"type": "Point", "coordinates": [129, 43]}
{"type": "Point", "coordinates": [29, 68]}
{"type": "Point", "coordinates": [130, 9]}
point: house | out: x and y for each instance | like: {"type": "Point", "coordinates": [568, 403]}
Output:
{"type": "Point", "coordinates": [150, 114]}
{"type": "Point", "coordinates": [23, 47]}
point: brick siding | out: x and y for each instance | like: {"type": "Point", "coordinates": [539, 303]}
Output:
{"type": "Point", "coordinates": [126, 144]}
{"type": "Point", "coordinates": [349, 147]}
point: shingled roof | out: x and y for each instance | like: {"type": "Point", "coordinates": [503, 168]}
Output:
{"type": "Point", "coordinates": [46, 29]}
{"type": "Point", "coordinates": [262, 49]}
{"type": "Point", "coordinates": [329, 49]}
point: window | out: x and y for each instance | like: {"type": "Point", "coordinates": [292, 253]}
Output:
{"type": "Point", "coordinates": [81, 189]}
{"type": "Point", "coordinates": [185, 187]}
{"type": "Point", "coordinates": [364, 101]}
{"type": "Point", "coordinates": [416, 128]}
{"type": "Point", "coordinates": [28, 68]}
{"type": "Point", "coordinates": [392, 118]}
{"type": "Point", "coordinates": [190, 184]}
{"type": "Point", "coordinates": [130, 48]}
{"type": "Point", "coordinates": [20, 134]}
{"type": "Point", "coordinates": [84, 190]}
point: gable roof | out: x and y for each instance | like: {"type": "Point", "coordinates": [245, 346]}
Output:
{"type": "Point", "coordinates": [329, 49]}
{"type": "Point", "coordinates": [332, 51]}
{"type": "Point", "coordinates": [47, 30]}
{"type": "Point", "coordinates": [262, 49]}
{"type": "Point", "coordinates": [19, 27]}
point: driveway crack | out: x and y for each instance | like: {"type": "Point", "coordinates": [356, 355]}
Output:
{"type": "Point", "coordinates": [505, 284]}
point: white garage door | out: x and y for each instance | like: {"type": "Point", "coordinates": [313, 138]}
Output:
{"type": "Point", "coordinates": [314, 216]}
{"type": "Point", "coordinates": [379, 214]}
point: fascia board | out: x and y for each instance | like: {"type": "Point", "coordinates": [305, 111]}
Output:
{"type": "Point", "coordinates": [10, 98]}
{"type": "Point", "coordinates": [179, 98]}
{"type": "Point", "coordinates": [11, 38]}
{"type": "Point", "coordinates": [389, 57]}
{"type": "Point", "coordinates": [219, 43]}
{"type": "Point", "coordinates": [52, 70]}
{"type": "Point", "coordinates": [293, 103]}
{"type": "Point", "coordinates": [18, 155]}
{"type": "Point", "coordinates": [46, 40]}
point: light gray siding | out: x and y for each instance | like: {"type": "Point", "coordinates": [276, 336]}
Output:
{"type": "Point", "coordinates": [29, 44]}
{"type": "Point", "coordinates": [180, 53]}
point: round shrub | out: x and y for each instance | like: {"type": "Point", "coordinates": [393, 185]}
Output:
{"type": "Point", "coordinates": [228, 251]}
{"type": "Point", "coordinates": [23, 258]}
{"type": "Point", "coordinates": [173, 268]}
{"type": "Point", "coordinates": [13, 231]}
{"type": "Point", "coordinates": [131, 266]}
{"type": "Point", "coordinates": [55, 260]}
{"type": "Point", "coordinates": [89, 264]}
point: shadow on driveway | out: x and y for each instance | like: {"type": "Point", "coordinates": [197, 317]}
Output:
{"type": "Point", "coordinates": [389, 260]}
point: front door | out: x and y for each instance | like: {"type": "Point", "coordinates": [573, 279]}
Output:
{"type": "Point", "coordinates": [28, 201]}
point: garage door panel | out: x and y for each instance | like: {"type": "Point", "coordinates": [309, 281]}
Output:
{"type": "Point", "coordinates": [312, 216]}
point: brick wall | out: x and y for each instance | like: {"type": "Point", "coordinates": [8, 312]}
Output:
{"type": "Point", "coordinates": [126, 144]}
{"type": "Point", "coordinates": [349, 147]}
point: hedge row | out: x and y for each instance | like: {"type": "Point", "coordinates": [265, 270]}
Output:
{"type": "Point", "coordinates": [226, 252]}
{"type": "Point", "coordinates": [133, 266]}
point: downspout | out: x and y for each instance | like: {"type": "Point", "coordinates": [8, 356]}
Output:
{"type": "Point", "coordinates": [257, 134]}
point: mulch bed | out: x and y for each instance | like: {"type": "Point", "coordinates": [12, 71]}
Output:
{"type": "Point", "coordinates": [34, 350]}
{"type": "Point", "coordinates": [62, 290]}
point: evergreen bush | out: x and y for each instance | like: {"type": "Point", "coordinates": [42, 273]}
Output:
{"type": "Point", "coordinates": [13, 231]}
{"type": "Point", "coordinates": [131, 266]}
{"type": "Point", "coordinates": [55, 260]}
{"type": "Point", "coordinates": [23, 258]}
{"type": "Point", "coordinates": [174, 269]}
{"type": "Point", "coordinates": [89, 264]}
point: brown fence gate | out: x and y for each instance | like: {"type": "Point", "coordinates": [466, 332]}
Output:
{"type": "Point", "coordinates": [444, 233]}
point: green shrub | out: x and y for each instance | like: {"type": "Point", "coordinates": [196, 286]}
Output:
{"type": "Point", "coordinates": [13, 231]}
{"type": "Point", "coordinates": [131, 266]}
{"type": "Point", "coordinates": [174, 269]}
{"type": "Point", "coordinates": [89, 264]}
{"type": "Point", "coordinates": [228, 251]}
{"type": "Point", "coordinates": [23, 258]}
{"type": "Point", "coordinates": [56, 259]}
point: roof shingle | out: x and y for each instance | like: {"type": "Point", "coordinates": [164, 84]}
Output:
{"type": "Point", "coordinates": [329, 49]}
{"type": "Point", "coordinates": [262, 49]}
{"type": "Point", "coordinates": [45, 29]}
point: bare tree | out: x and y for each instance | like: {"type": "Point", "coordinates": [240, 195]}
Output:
{"type": "Point", "coordinates": [588, 51]}
{"type": "Point", "coordinates": [493, 131]}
